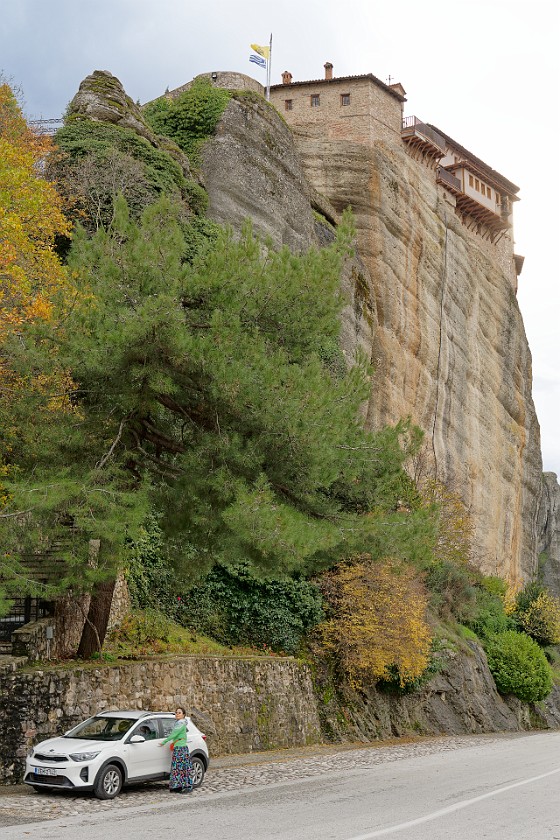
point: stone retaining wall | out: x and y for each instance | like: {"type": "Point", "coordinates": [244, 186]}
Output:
{"type": "Point", "coordinates": [258, 703]}
{"type": "Point", "coordinates": [241, 704]}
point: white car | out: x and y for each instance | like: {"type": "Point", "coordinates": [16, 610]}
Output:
{"type": "Point", "coordinates": [110, 750]}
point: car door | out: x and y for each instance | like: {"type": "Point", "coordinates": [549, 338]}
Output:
{"type": "Point", "coordinates": [147, 758]}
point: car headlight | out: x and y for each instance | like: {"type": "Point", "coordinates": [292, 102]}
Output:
{"type": "Point", "coordinates": [84, 756]}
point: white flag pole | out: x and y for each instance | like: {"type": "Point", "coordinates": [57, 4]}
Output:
{"type": "Point", "coordinates": [268, 65]}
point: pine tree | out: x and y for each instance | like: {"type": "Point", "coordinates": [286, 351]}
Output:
{"type": "Point", "coordinates": [209, 390]}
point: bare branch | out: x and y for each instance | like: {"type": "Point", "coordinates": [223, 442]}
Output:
{"type": "Point", "coordinates": [101, 464]}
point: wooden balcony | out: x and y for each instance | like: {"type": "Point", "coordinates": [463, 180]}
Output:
{"type": "Point", "coordinates": [476, 216]}
{"type": "Point", "coordinates": [422, 140]}
{"type": "Point", "coordinates": [449, 181]}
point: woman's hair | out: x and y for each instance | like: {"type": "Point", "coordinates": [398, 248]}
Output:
{"type": "Point", "coordinates": [182, 709]}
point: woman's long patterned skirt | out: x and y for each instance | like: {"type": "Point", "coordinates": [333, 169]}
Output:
{"type": "Point", "coordinates": [181, 769]}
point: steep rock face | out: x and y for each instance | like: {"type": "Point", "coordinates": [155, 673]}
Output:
{"type": "Point", "coordinates": [549, 532]}
{"type": "Point", "coordinates": [251, 169]}
{"type": "Point", "coordinates": [430, 303]}
{"type": "Point", "coordinates": [101, 97]}
{"type": "Point", "coordinates": [449, 346]}
{"type": "Point", "coordinates": [461, 699]}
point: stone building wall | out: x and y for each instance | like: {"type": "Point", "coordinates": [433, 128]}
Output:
{"type": "Point", "coordinates": [223, 79]}
{"type": "Point", "coordinates": [58, 635]}
{"type": "Point", "coordinates": [373, 113]}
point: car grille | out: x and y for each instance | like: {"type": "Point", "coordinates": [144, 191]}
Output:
{"type": "Point", "coordinates": [58, 781]}
{"type": "Point", "coordinates": [47, 758]}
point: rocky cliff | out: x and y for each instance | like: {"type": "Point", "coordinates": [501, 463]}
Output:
{"type": "Point", "coordinates": [251, 169]}
{"type": "Point", "coordinates": [430, 303]}
{"type": "Point", "coordinates": [549, 533]}
{"type": "Point", "coordinates": [433, 306]}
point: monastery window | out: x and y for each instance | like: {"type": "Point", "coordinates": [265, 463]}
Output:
{"type": "Point", "coordinates": [315, 100]}
{"type": "Point", "coordinates": [483, 189]}
{"type": "Point", "coordinates": [488, 192]}
{"type": "Point", "coordinates": [477, 184]}
{"type": "Point", "coordinates": [471, 181]}
{"type": "Point", "coordinates": [345, 99]}
{"type": "Point", "coordinates": [288, 104]}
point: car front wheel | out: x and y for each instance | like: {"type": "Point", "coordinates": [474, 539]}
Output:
{"type": "Point", "coordinates": [198, 770]}
{"type": "Point", "coordinates": [108, 783]}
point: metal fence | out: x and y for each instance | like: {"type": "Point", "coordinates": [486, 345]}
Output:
{"type": "Point", "coordinates": [47, 126]}
{"type": "Point", "coordinates": [22, 611]}
{"type": "Point", "coordinates": [425, 130]}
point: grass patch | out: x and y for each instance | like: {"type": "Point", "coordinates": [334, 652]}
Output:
{"type": "Point", "coordinates": [147, 634]}
{"type": "Point", "coordinates": [150, 633]}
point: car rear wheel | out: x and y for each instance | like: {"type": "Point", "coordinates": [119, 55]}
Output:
{"type": "Point", "coordinates": [108, 783]}
{"type": "Point", "coordinates": [198, 771]}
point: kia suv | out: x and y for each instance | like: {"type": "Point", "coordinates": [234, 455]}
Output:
{"type": "Point", "coordinates": [110, 750]}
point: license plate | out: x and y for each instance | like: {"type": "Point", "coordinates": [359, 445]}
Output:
{"type": "Point", "coordinates": [46, 771]}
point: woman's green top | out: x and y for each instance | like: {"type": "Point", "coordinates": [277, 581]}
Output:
{"type": "Point", "coordinates": [178, 734]}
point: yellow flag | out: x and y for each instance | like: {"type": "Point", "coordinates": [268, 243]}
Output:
{"type": "Point", "coordinates": [264, 51]}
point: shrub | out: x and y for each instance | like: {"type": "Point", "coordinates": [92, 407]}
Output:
{"type": "Point", "coordinates": [495, 585]}
{"type": "Point", "coordinates": [190, 118]}
{"type": "Point", "coordinates": [541, 619]}
{"type": "Point", "coordinates": [234, 607]}
{"type": "Point", "coordinates": [518, 666]}
{"type": "Point", "coordinates": [488, 615]}
{"type": "Point", "coordinates": [142, 629]}
{"type": "Point", "coordinates": [97, 161]}
{"type": "Point", "coordinates": [150, 576]}
{"type": "Point", "coordinates": [395, 684]}
{"type": "Point", "coordinates": [455, 526]}
{"type": "Point", "coordinates": [453, 594]}
{"type": "Point", "coordinates": [527, 595]}
{"type": "Point", "coordinates": [376, 624]}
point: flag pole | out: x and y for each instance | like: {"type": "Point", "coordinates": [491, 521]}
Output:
{"type": "Point", "coordinates": [268, 66]}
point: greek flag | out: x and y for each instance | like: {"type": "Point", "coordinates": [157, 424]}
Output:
{"type": "Point", "coordinates": [258, 60]}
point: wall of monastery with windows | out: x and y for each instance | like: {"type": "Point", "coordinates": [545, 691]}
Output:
{"type": "Point", "coordinates": [356, 110]}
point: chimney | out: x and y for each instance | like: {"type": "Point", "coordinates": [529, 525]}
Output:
{"type": "Point", "coordinates": [286, 77]}
{"type": "Point", "coordinates": [328, 70]}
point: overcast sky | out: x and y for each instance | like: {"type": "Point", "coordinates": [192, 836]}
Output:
{"type": "Point", "coordinates": [484, 71]}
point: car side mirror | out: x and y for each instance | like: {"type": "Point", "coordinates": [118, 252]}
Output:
{"type": "Point", "coordinates": [137, 739]}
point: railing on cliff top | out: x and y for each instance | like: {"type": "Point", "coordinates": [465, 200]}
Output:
{"type": "Point", "coordinates": [422, 128]}
{"type": "Point", "coordinates": [47, 126]}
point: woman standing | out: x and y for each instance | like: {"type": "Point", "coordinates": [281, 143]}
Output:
{"type": "Point", "coordinates": [180, 778]}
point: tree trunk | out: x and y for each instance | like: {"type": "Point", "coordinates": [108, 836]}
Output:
{"type": "Point", "coordinates": [95, 628]}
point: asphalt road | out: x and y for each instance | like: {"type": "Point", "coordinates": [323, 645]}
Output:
{"type": "Point", "coordinates": [506, 788]}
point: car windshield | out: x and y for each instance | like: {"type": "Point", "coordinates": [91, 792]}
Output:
{"type": "Point", "coordinates": [102, 729]}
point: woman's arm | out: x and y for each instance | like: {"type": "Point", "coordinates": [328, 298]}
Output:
{"type": "Point", "coordinates": [177, 732]}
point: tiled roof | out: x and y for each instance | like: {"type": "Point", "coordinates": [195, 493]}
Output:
{"type": "Point", "coordinates": [369, 76]}
{"type": "Point", "coordinates": [502, 181]}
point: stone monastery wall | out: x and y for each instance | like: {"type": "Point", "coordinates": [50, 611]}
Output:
{"type": "Point", "coordinates": [371, 114]}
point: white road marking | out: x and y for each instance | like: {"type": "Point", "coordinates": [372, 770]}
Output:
{"type": "Point", "coordinates": [392, 829]}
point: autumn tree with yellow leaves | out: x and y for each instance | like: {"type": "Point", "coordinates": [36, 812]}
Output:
{"type": "Point", "coordinates": [376, 625]}
{"type": "Point", "coordinates": [31, 275]}
{"type": "Point", "coordinates": [30, 272]}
